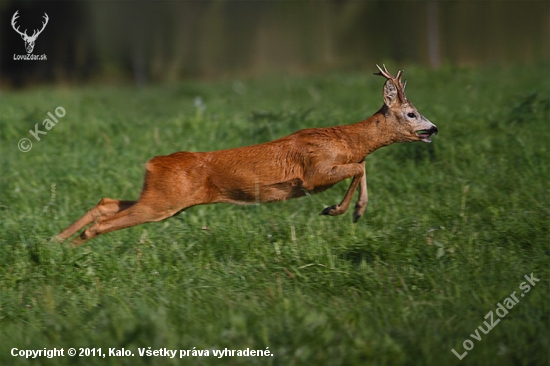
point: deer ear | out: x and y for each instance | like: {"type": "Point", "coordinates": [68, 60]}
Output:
{"type": "Point", "coordinates": [390, 93]}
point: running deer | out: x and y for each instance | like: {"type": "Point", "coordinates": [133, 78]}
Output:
{"type": "Point", "coordinates": [307, 161]}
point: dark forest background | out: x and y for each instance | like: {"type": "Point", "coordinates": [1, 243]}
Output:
{"type": "Point", "coordinates": [160, 41]}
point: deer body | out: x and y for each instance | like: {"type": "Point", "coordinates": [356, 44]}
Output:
{"type": "Point", "coordinates": [286, 168]}
{"type": "Point", "coordinates": [306, 162]}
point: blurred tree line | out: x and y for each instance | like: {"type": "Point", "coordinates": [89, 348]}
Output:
{"type": "Point", "coordinates": [154, 41]}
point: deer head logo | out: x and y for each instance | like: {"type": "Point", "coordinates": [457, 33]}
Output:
{"type": "Point", "coordinates": [29, 40]}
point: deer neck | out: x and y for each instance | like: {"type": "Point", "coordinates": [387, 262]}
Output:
{"type": "Point", "coordinates": [371, 134]}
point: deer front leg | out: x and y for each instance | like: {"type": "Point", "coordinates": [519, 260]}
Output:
{"type": "Point", "coordinates": [341, 172]}
{"type": "Point", "coordinates": [362, 200]}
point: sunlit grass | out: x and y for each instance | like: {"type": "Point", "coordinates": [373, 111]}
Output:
{"type": "Point", "coordinates": [451, 227]}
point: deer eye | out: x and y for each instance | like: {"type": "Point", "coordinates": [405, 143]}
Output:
{"type": "Point", "coordinates": [411, 115]}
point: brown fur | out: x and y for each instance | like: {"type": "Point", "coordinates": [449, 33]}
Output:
{"type": "Point", "coordinates": [307, 161]}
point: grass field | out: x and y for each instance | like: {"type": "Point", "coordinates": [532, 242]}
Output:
{"type": "Point", "coordinates": [451, 228]}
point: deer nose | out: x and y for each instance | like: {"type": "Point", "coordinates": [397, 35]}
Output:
{"type": "Point", "coordinates": [433, 130]}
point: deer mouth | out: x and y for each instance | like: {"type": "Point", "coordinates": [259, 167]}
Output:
{"type": "Point", "coordinates": [425, 135]}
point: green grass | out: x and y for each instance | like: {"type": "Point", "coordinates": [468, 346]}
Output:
{"type": "Point", "coordinates": [451, 227]}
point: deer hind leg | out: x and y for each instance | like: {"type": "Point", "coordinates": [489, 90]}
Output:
{"type": "Point", "coordinates": [338, 173]}
{"type": "Point", "coordinates": [137, 214]}
{"type": "Point", "coordinates": [166, 191]}
{"type": "Point", "coordinates": [105, 208]}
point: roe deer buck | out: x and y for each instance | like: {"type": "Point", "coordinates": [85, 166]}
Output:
{"type": "Point", "coordinates": [307, 161]}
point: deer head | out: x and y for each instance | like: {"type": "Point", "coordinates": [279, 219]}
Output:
{"type": "Point", "coordinates": [401, 115]}
{"type": "Point", "coordinates": [29, 40]}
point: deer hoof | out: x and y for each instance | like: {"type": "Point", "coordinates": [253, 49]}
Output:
{"type": "Point", "coordinates": [356, 217]}
{"type": "Point", "coordinates": [332, 211]}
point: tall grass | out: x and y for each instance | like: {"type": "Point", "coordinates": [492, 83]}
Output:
{"type": "Point", "coordinates": [450, 231]}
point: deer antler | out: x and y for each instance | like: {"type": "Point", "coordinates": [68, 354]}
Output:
{"type": "Point", "coordinates": [35, 35]}
{"type": "Point", "coordinates": [396, 80]}
{"type": "Point", "coordinates": [15, 16]}
{"type": "Point", "coordinates": [36, 32]}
